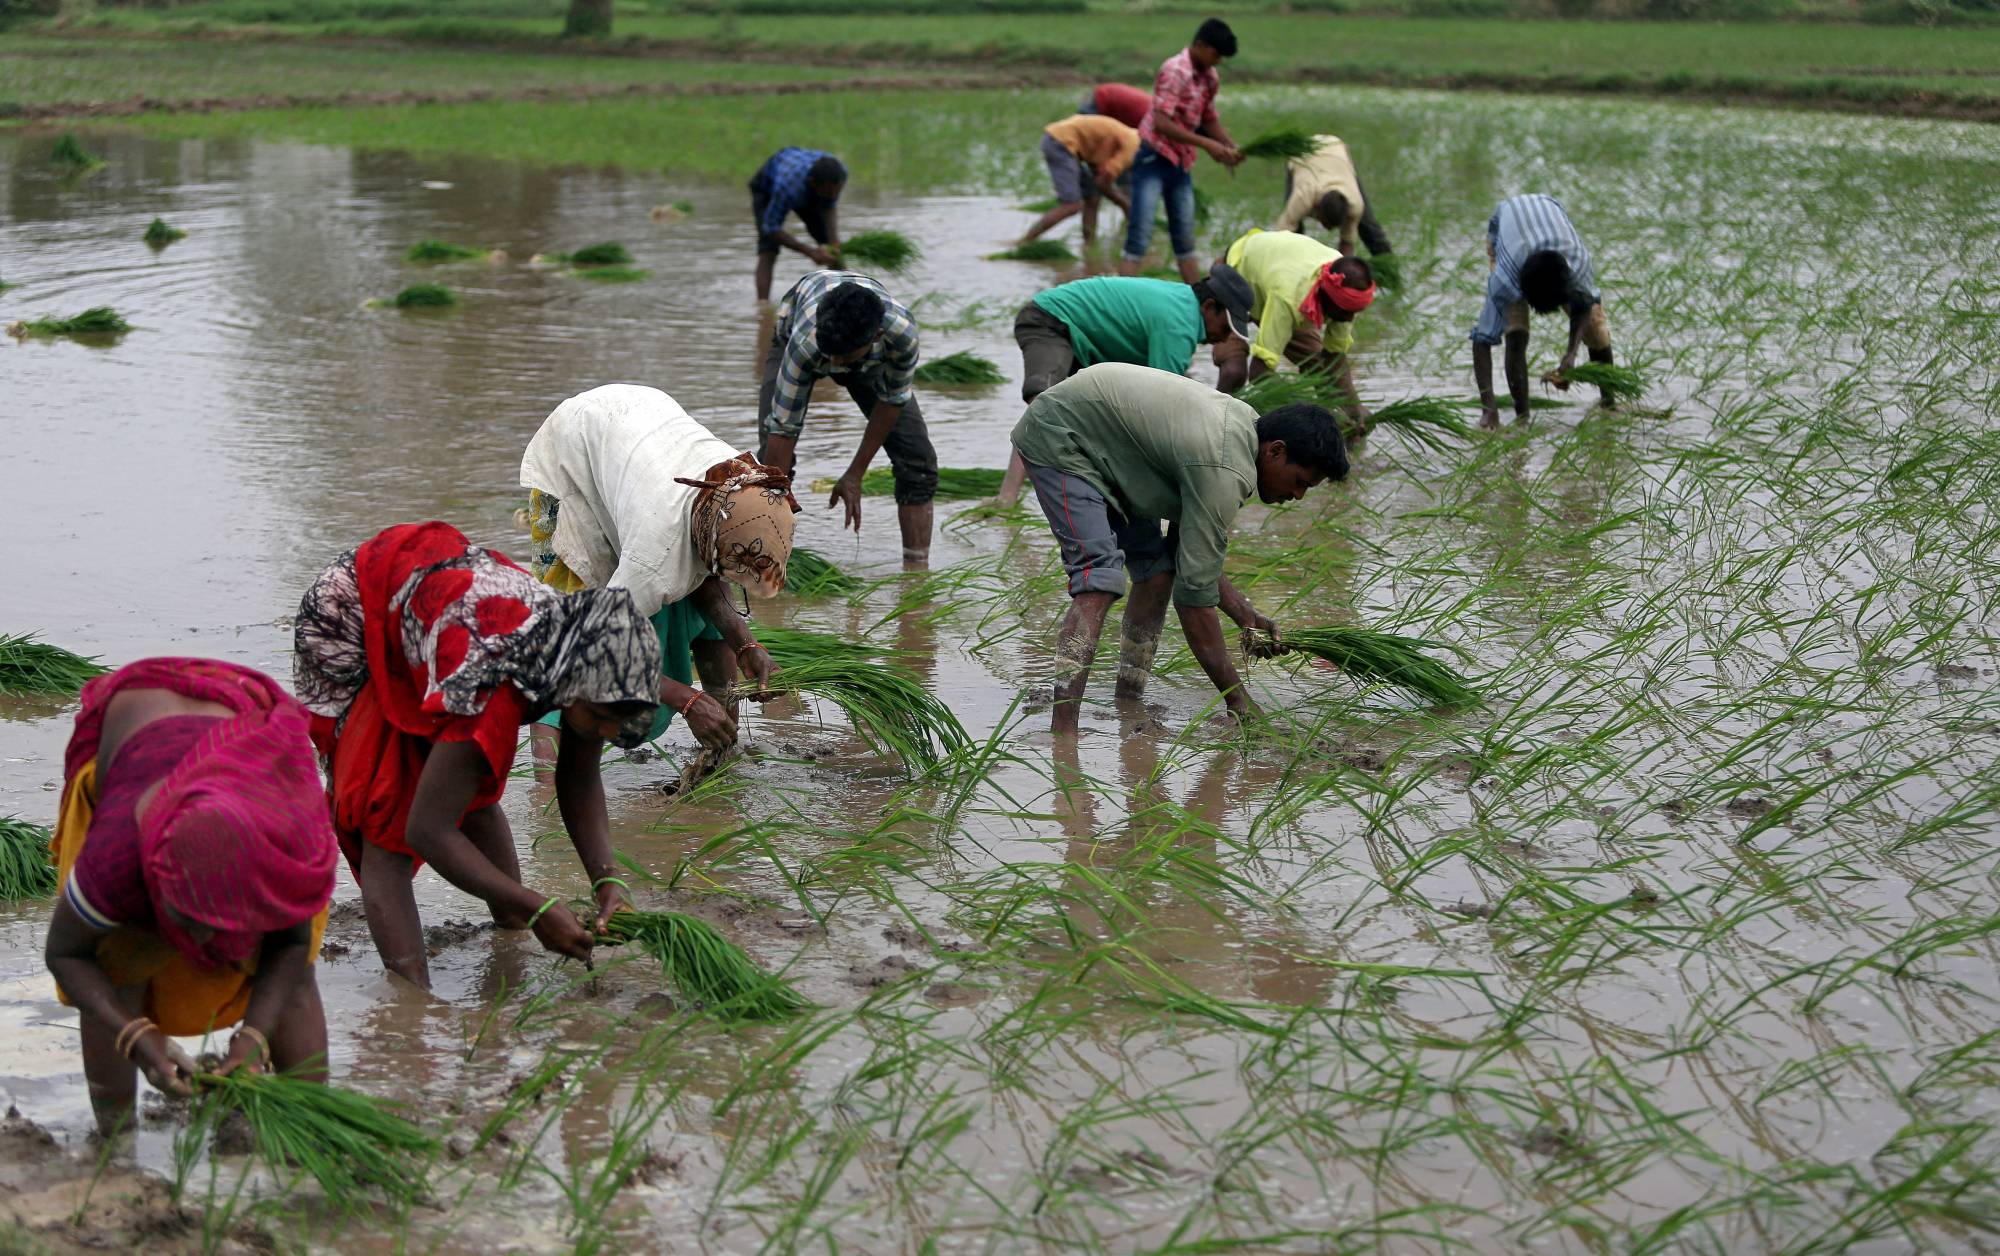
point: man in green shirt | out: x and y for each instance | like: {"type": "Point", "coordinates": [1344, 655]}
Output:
{"type": "Point", "coordinates": [1115, 318]}
{"type": "Point", "coordinates": [1115, 451]}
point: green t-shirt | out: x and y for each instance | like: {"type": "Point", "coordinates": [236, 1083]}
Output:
{"type": "Point", "coordinates": [1118, 318]}
{"type": "Point", "coordinates": [1158, 446]}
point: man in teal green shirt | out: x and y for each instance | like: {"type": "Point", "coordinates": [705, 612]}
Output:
{"type": "Point", "coordinates": [1115, 318]}
{"type": "Point", "coordinates": [1115, 451]}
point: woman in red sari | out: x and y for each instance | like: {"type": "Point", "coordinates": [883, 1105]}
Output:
{"type": "Point", "coordinates": [196, 865]}
{"type": "Point", "coordinates": [420, 656]}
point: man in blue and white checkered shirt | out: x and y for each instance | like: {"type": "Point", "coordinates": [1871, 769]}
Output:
{"type": "Point", "coordinates": [802, 181]}
{"type": "Point", "coordinates": [1538, 262]}
{"type": "Point", "coordinates": [845, 326]}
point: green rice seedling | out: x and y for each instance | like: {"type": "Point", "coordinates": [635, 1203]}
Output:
{"type": "Point", "coordinates": [959, 368]}
{"type": "Point", "coordinates": [1035, 251]}
{"type": "Point", "coordinates": [1619, 383]}
{"type": "Point", "coordinates": [612, 274]}
{"type": "Point", "coordinates": [443, 251]}
{"type": "Point", "coordinates": [954, 483]}
{"type": "Point", "coordinates": [423, 296]}
{"type": "Point", "coordinates": [887, 704]}
{"type": "Point", "coordinates": [98, 320]}
{"type": "Point", "coordinates": [26, 870]}
{"type": "Point", "coordinates": [70, 153]}
{"type": "Point", "coordinates": [1042, 206]}
{"type": "Point", "coordinates": [1369, 655]}
{"type": "Point", "coordinates": [1285, 143]}
{"type": "Point", "coordinates": [789, 646]}
{"type": "Point", "coordinates": [1282, 388]}
{"type": "Point", "coordinates": [1426, 421]}
{"type": "Point", "coordinates": [1388, 270]}
{"type": "Point", "coordinates": [707, 967]}
{"type": "Point", "coordinates": [160, 233]}
{"type": "Point", "coordinates": [29, 666]}
{"type": "Point", "coordinates": [609, 253]}
{"type": "Point", "coordinates": [809, 573]}
{"type": "Point", "coordinates": [344, 1140]}
{"type": "Point", "coordinates": [891, 251]}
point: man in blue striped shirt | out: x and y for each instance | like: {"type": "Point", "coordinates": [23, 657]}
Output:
{"type": "Point", "coordinates": [802, 181]}
{"type": "Point", "coordinates": [1540, 263]}
{"type": "Point", "coordinates": [845, 326]}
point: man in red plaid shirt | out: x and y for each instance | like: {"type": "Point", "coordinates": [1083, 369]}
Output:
{"type": "Point", "coordinates": [1182, 124]}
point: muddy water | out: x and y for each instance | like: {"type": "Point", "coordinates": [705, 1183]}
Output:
{"type": "Point", "coordinates": [174, 492]}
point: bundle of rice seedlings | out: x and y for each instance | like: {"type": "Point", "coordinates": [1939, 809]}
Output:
{"type": "Point", "coordinates": [955, 484]}
{"type": "Point", "coordinates": [612, 274]}
{"type": "Point", "coordinates": [1388, 269]}
{"type": "Point", "coordinates": [26, 871]}
{"type": "Point", "coordinates": [69, 151]}
{"type": "Point", "coordinates": [1286, 142]}
{"type": "Point", "coordinates": [442, 251]}
{"type": "Point", "coordinates": [609, 253]}
{"type": "Point", "coordinates": [1369, 655]}
{"type": "Point", "coordinates": [160, 233]}
{"type": "Point", "coordinates": [1430, 422]}
{"type": "Point", "coordinates": [344, 1140]}
{"type": "Point", "coordinates": [98, 320]}
{"type": "Point", "coordinates": [1035, 251]}
{"type": "Point", "coordinates": [1268, 392]}
{"type": "Point", "coordinates": [706, 967]}
{"type": "Point", "coordinates": [887, 704]}
{"type": "Point", "coordinates": [423, 296]}
{"type": "Point", "coordinates": [810, 574]}
{"type": "Point", "coordinates": [885, 250]}
{"type": "Point", "coordinates": [28, 666]}
{"type": "Point", "coordinates": [1619, 384]}
{"type": "Point", "coordinates": [789, 646]}
{"type": "Point", "coordinates": [959, 368]}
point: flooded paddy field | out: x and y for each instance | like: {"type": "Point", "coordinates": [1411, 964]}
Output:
{"type": "Point", "coordinates": [1685, 941]}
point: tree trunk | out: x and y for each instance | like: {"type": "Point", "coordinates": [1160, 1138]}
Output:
{"type": "Point", "coordinates": [588, 17]}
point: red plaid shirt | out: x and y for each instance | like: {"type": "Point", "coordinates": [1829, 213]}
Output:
{"type": "Point", "coordinates": [1187, 95]}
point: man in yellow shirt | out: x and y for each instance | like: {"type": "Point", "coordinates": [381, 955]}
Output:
{"type": "Point", "coordinates": [1086, 153]}
{"type": "Point", "coordinates": [1323, 186]}
{"type": "Point", "coordinates": [1307, 297]}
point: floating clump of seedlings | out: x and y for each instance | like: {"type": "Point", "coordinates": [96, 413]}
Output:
{"type": "Point", "coordinates": [160, 233]}
{"type": "Point", "coordinates": [26, 871]}
{"type": "Point", "coordinates": [810, 574]}
{"type": "Point", "coordinates": [887, 703]}
{"type": "Point", "coordinates": [70, 154]}
{"type": "Point", "coordinates": [29, 666]}
{"type": "Point", "coordinates": [1619, 384]}
{"type": "Point", "coordinates": [420, 296]}
{"type": "Point", "coordinates": [609, 253]}
{"type": "Point", "coordinates": [957, 484]}
{"type": "Point", "coordinates": [707, 967]}
{"type": "Point", "coordinates": [98, 320]}
{"type": "Point", "coordinates": [612, 274]}
{"type": "Point", "coordinates": [1035, 251]}
{"type": "Point", "coordinates": [959, 368]}
{"type": "Point", "coordinates": [883, 250]}
{"type": "Point", "coordinates": [434, 251]}
{"type": "Point", "coordinates": [1369, 655]}
{"type": "Point", "coordinates": [1285, 142]}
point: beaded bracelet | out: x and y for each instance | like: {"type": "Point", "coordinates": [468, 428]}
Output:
{"type": "Point", "coordinates": [538, 912]}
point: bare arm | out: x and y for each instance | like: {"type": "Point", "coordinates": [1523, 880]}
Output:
{"type": "Point", "coordinates": [712, 600]}
{"type": "Point", "coordinates": [71, 954]}
{"type": "Point", "coordinates": [1517, 371]}
{"type": "Point", "coordinates": [833, 227]}
{"type": "Point", "coordinates": [444, 790]}
{"type": "Point", "coordinates": [282, 967]}
{"type": "Point", "coordinates": [580, 798]}
{"type": "Point", "coordinates": [847, 490]}
{"type": "Point", "coordinates": [1108, 187]}
{"type": "Point", "coordinates": [1203, 629]}
{"type": "Point", "coordinates": [1482, 378]}
{"type": "Point", "coordinates": [1220, 149]}
{"type": "Point", "coordinates": [1576, 321]}
{"type": "Point", "coordinates": [787, 240]}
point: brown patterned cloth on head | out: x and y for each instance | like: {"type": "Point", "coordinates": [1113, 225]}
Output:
{"type": "Point", "coordinates": [742, 521]}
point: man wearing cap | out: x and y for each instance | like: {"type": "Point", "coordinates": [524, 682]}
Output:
{"type": "Point", "coordinates": [1306, 298]}
{"type": "Point", "coordinates": [802, 181]}
{"type": "Point", "coordinates": [1114, 318]}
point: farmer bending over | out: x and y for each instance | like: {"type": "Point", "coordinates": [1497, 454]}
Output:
{"type": "Point", "coordinates": [1323, 186]}
{"type": "Point", "coordinates": [1117, 450]}
{"type": "Point", "coordinates": [626, 491]}
{"type": "Point", "coordinates": [1182, 125]}
{"type": "Point", "coordinates": [1129, 105]}
{"type": "Point", "coordinates": [196, 865]}
{"type": "Point", "coordinates": [1115, 318]}
{"type": "Point", "coordinates": [1307, 298]}
{"type": "Point", "coordinates": [1085, 154]}
{"type": "Point", "coordinates": [845, 326]}
{"type": "Point", "coordinates": [420, 656]}
{"type": "Point", "coordinates": [800, 181]}
{"type": "Point", "coordinates": [1537, 262]}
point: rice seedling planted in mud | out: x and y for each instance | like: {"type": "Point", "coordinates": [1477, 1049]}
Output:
{"type": "Point", "coordinates": [344, 1140]}
{"type": "Point", "coordinates": [28, 666]}
{"type": "Point", "coordinates": [1286, 142]}
{"type": "Point", "coordinates": [884, 250]}
{"type": "Point", "coordinates": [707, 967]}
{"type": "Point", "coordinates": [809, 573]}
{"type": "Point", "coordinates": [26, 871]}
{"type": "Point", "coordinates": [442, 251]}
{"type": "Point", "coordinates": [98, 320]}
{"type": "Point", "coordinates": [1369, 655]}
{"type": "Point", "coordinates": [609, 253]}
{"type": "Point", "coordinates": [160, 233]}
{"type": "Point", "coordinates": [1035, 251]}
{"type": "Point", "coordinates": [1619, 384]}
{"type": "Point", "coordinates": [887, 704]}
{"type": "Point", "coordinates": [69, 152]}
{"type": "Point", "coordinates": [422, 296]}
{"type": "Point", "coordinates": [959, 368]}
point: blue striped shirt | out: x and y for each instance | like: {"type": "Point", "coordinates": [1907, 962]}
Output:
{"type": "Point", "coordinates": [890, 365]}
{"type": "Point", "coordinates": [1521, 227]}
{"type": "Point", "coordinates": [787, 179]}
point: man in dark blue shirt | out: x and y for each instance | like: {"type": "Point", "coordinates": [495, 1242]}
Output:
{"type": "Point", "coordinates": [800, 181]}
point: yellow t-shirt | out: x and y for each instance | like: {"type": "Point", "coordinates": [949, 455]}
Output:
{"type": "Point", "coordinates": [1104, 144]}
{"type": "Point", "coordinates": [1282, 267]}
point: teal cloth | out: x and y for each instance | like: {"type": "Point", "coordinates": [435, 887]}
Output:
{"type": "Point", "coordinates": [679, 625]}
{"type": "Point", "coordinates": [1120, 318]}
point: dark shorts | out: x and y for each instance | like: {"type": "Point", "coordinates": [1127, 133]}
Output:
{"type": "Point", "coordinates": [812, 215]}
{"type": "Point", "coordinates": [1048, 356]}
{"type": "Point", "coordinates": [912, 458]}
{"type": "Point", "coordinates": [1100, 547]}
{"type": "Point", "coordinates": [1073, 181]}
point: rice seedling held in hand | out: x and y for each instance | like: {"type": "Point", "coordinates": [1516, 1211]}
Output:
{"type": "Point", "coordinates": [789, 646]}
{"type": "Point", "coordinates": [887, 704]}
{"type": "Point", "coordinates": [1035, 251]}
{"type": "Point", "coordinates": [609, 253]}
{"type": "Point", "coordinates": [442, 251]}
{"type": "Point", "coordinates": [344, 1140]}
{"type": "Point", "coordinates": [1428, 422]}
{"type": "Point", "coordinates": [959, 368]}
{"type": "Point", "coordinates": [809, 574]}
{"type": "Point", "coordinates": [28, 666]}
{"type": "Point", "coordinates": [1269, 391]}
{"type": "Point", "coordinates": [70, 153]}
{"type": "Point", "coordinates": [1388, 270]}
{"type": "Point", "coordinates": [160, 233]}
{"type": "Point", "coordinates": [421, 296]}
{"type": "Point", "coordinates": [1369, 655]}
{"type": "Point", "coordinates": [98, 320]}
{"type": "Point", "coordinates": [26, 870]}
{"type": "Point", "coordinates": [1619, 384]}
{"type": "Point", "coordinates": [706, 967]}
{"type": "Point", "coordinates": [1285, 142]}
{"type": "Point", "coordinates": [891, 251]}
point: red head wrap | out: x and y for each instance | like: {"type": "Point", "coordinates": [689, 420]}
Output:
{"type": "Point", "coordinates": [1331, 286]}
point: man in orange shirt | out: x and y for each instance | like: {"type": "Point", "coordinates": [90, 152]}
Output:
{"type": "Point", "coordinates": [1086, 153]}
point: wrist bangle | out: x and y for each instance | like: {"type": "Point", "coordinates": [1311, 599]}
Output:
{"type": "Point", "coordinates": [693, 698]}
{"type": "Point", "coordinates": [538, 912]}
{"type": "Point", "coordinates": [256, 1035]}
{"type": "Point", "coordinates": [601, 882]}
{"type": "Point", "coordinates": [128, 1037]}
{"type": "Point", "coordinates": [752, 644]}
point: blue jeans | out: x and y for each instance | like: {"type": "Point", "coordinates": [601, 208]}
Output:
{"type": "Point", "coordinates": [1154, 179]}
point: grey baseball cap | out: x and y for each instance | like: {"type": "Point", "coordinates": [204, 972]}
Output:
{"type": "Point", "coordinates": [1232, 292]}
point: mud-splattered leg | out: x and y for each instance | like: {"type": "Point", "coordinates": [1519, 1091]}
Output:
{"type": "Point", "coordinates": [1139, 637]}
{"type": "Point", "coordinates": [1076, 647]}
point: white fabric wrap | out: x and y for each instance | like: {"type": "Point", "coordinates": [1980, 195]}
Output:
{"type": "Point", "coordinates": [611, 456]}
